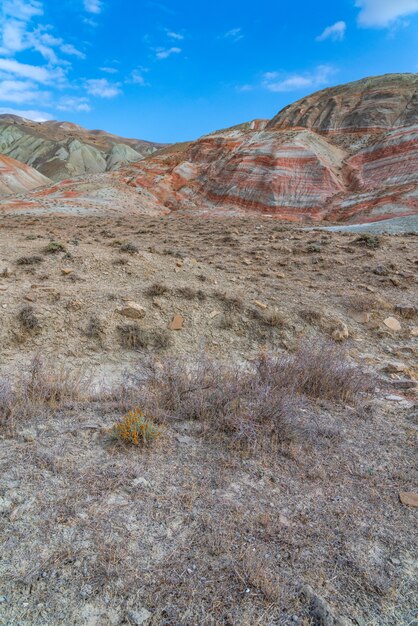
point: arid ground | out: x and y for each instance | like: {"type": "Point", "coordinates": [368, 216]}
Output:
{"type": "Point", "coordinates": [280, 367]}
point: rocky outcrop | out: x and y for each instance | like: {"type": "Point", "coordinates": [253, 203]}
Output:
{"type": "Point", "coordinates": [62, 150]}
{"type": "Point", "coordinates": [17, 178]}
{"type": "Point", "coordinates": [346, 153]}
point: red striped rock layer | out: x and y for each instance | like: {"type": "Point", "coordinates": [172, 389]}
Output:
{"type": "Point", "coordinates": [16, 177]}
{"type": "Point", "coordinates": [345, 153]}
{"type": "Point", "coordinates": [288, 174]}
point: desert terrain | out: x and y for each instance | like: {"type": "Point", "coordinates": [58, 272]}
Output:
{"type": "Point", "coordinates": [298, 517]}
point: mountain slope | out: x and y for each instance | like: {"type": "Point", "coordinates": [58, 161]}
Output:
{"type": "Point", "coordinates": [16, 178]}
{"type": "Point", "coordinates": [349, 152]}
{"type": "Point", "coordinates": [62, 150]}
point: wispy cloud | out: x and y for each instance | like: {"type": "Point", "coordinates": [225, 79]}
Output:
{"type": "Point", "coordinates": [35, 116]}
{"type": "Point", "coordinates": [164, 53]}
{"type": "Point", "coordinates": [80, 105]}
{"type": "Point", "coordinates": [93, 6]}
{"type": "Point", "coordinates": [108, 70]}
{"type": "Point", "coordinates": [235, 34]}
{"type": "Point", "coordinates": [277, 82]}
{"type": "Point", "coordinates": [173, 35]}
{"type": "Point", "coordinates": [336, 32]}
{"type": "Point", "coordinates": [384, 13]}
{"type": "Point", "coordinates": [102, 88]}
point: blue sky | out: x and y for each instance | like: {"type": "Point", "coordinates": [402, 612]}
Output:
{"type": "Point", "coordinates": [172, 70]}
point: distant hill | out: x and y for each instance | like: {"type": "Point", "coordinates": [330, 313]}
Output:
{"type": "Point", "coordinates": [61, 150]}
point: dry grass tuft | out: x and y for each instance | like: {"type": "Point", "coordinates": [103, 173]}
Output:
{"type": "Point", "coordinates": [29, 260]}
{"type": "Point", "coordinates": [157, 289]}
{"type": "Point", "coordinates": [28, 319]}
{"type": "Point", "coordinates": [134, 337]}
{"type": "Point", "coordinates": [41, 388]}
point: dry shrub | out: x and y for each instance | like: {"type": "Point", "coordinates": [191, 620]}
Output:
{"type": "Point", "coordinates": [367, 240]}
{"type": "Point", "coordinates": [135, 428]}
{"type": "Point", "coordinates": [311, 316]}
{"type": "Point", "coordinates": [134, 337]}
{"type": "Point", "coordinates": [231, 303]}
{"type": "Point", "coordinates": [257, 403]}
{"type": "Point", "coordinates": [95, 329]}
{"type": "Point", "coordinates": [42, 387]}
{"type": "Point", "coordinates": [129, 248]}
{"type": "Point", "coordinates": [191, 294]}
{"type": "Point", "coordinates": [157, 289]}
{"type": "Point", "coordinates": [362, 303]}
{"type": "Point", "coordinates": [53, 247]}
{"type": "Point", "coordinates": [28, 319]}
{"type": "Point", "coordinates": [29, 260]}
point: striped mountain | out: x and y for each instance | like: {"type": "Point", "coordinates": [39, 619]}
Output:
{"type": "Point", "coordinates": [344, 153]}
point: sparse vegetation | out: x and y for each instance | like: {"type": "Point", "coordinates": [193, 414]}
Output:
{"type": "Point", "coordinates": [29, 260]}
{"type": "Point", "coordinates": [54, 247]}
{"type": "Point", "coordinates": [129, 248]}
{"type": "Point", "coordinates": [134, 337]}
{"type": "Point", "coordinates": [367, 240]}
{"type": "Point", "coordinates": [28, 320]}
{"type": "Point", "coordinates": [156, 289]}
{"type": "Point", "coordinates": [136, 429]}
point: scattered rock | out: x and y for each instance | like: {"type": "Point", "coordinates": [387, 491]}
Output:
{"type": "Point", "coordinates": [395, 367]}
{"type": "Point", "coordinates": [176, 323]}
{"type": "Point", "coordinates": [392, 398]}
{"type": "Point", "coordinates": [392, 323]}
{"type": "Point", "coordinates": [361, 317]}
{"type": "Point", "coordinates": [409, 498]}
{"type": "Point", "coordinates": [214, 314]}
{"type": "Point", "coordinates": [139, 617]}
{"type": "Point", "coordinates": [341, 333]}
{"type": "Point", "coordinates": [66, 271]}
{"type": "Point", "coordinates": [260, 305]}
{"type": "Point", "coordinates": [132, 310]}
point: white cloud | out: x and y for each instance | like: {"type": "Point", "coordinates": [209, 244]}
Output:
{"type": "Point", "coordinates": [235, 34]}
{"type": "Point", "coordinates": [336, 32]}
{"type": "Point", "coordinates": [74, 104]}
{"type": "Point", "coordinates": [164, 53]}
{"type": "Point", "coordinates": [33, 72]}
{"type": "Point", "coordinates": [383, 13]}
{"type": "Point", "coordinates": [276, 82]}
{"type": "Point", "coordinates": [93, 6]}
{"type": "Point", "coordinates": [35, 116]}
{"type": "Point", "coordinates": [108, 70]}
{"type": "Point", "coordinates": [19, 92]}
{"type": "Point", "coordinates": [22, 9]}
{"type": "Point", "coordinates": [174, 35]}
{"type": "Point", "coordinates": [102, 88]}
